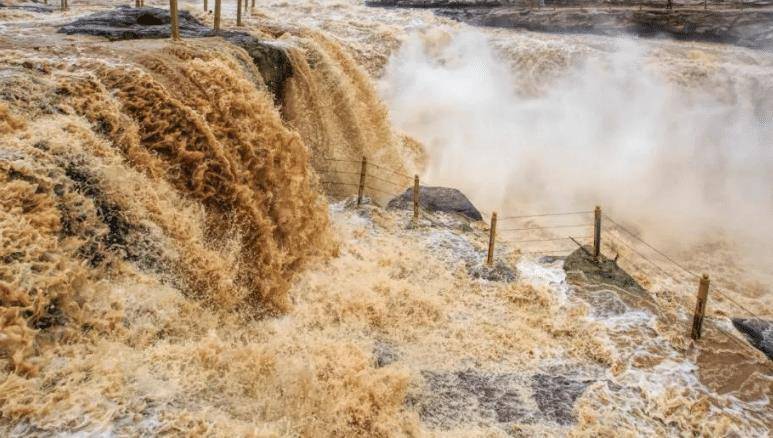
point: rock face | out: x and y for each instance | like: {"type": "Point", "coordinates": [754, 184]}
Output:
{"type": "Point", "coordinates": [758, 331]}
{"type": "Point", "coordinates": [31, 7]}
{"type": "Point", "coordinates": [748, 25]}
{"type": "Point", "coordinates": [748, 28]}
{"type": "Point", "coordinates": [126, 23]}
{"type": "Point", "coordinates": [443, 199]}
{"type": "Point", "coordinates": [498, 398]}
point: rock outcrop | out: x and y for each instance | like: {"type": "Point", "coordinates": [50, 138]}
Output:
{"type": "Point", "coordinates": [30, 7]}
{"type": "Point", "coordinates": [750, 28]}
{"type": "Point", "coordinates": [126, 23]}
{"type": "Point", "coordinates": [746, 25]}
{"type": "Point", "coordinates": [433, 199]}
{"type": "Point", "coordinates": [758, 331]}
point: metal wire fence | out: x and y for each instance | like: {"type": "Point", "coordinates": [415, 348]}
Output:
{"type": "Point", "coordinates": [551, 233]}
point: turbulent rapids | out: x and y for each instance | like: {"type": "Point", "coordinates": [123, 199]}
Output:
{"type": "Point", "coordinates": [180, 251]}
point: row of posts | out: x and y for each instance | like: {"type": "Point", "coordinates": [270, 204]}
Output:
{"type": "Point", "coordinates": [703, 285]}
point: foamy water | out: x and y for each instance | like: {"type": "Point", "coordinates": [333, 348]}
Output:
{"type": "Point", "coordinates": [171, 266]}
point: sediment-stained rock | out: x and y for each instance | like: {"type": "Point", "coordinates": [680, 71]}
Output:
{"type": "Point", "coordinates": [758, 331]}
{"type": "Point", "coordinates": [433, 199]}
{"type": "Point", "coordinates": [125, 23]}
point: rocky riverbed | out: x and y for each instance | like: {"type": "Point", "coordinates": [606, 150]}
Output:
{"type": "Point", "coordinates": [747, 24]}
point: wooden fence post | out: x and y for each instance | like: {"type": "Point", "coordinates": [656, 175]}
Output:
{"type": "Point", "coordinates": [175, 25]}
{"type": "Point", "coordinates": [597, 232]}
{"type": "Point", "coordinates": [239, 13]}
{"type": "Point", "coordinates": [63, 5]}
{"type": "Point", "coordinates": [217, 15]}
{"type": "Point", "coordinates": [700, 307]}
{"type": "Point", "coordinates": [363, 171]}
{"type": "Point", "coordinates": [206, 6]}
{"type": "Point", "coordinates": [492, 238]}
{"type": "Point", "coordinates": [416, 197]}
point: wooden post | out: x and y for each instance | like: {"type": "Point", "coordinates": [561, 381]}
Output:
{"type": "Point", "coordinates": [492, 236]}
{"type": "Point", "coordinates": [63, 5]}
{"type": "Point", "coordinates": [239, 13]}
{"type": "Point", "coordinates": [206, 6]}
{"type": "Point", "coordinates": [597, 232]}
{"type": "Point", "coordinates": [700, 307]}
{"type": "Point", "coordinates": [217, 15]}
{"type": "Point", "coordinates": [175, 25]}
{"type": "Point", "coordinates": [416, 197]}
{"type": "Point", "coordinates": [253, 4]}
{"type": "Point", "coordinates": [137, 4]}
{"type": "Point", "coordinates": [363, 171]}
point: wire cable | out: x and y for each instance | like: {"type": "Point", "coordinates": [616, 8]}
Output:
{"type": "Point", "coordinates": [545, 214]}
{"type": "Point", "coordinates": [377, 166]}
{"type": "Point", "coordinates": [546, 228]}
{"type": "Point", "coordinates": [652, 247]}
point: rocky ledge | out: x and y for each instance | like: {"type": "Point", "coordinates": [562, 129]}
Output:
{"type": "Point", "coordinates": [750, 26]}
{"type": "Point", "coordinates": [126, 23]}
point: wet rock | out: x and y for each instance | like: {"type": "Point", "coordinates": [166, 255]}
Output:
{"type": "Point", "coordinates": [385, 354]}
{"type": "Point", "coordinates": [603, 272]}
{"type": "Point", "coordinates": [555, 396]}
{"type": "Point", "coordinates": [434, 199]}
{"type": "Point", "coordinates": [759, 332]}
{"type": "Point", "coordinates": [500, 399]}
{"type": "Point", "coordinates": [30, 7]}
{"type": "Point", "coordinates": [605, 303]}
{"type": "Point", "coordinates": [126, 23]}
{"type": "Point", "coordinates": [745, 27]}
{"type": "Point", "coordinates": [498, 271]}
{"type": "Point", "coordinates": [468, 396]}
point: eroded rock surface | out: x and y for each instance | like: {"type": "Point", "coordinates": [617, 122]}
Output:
{"type": "Point", "coordinates": [126, 23]}
{"type": "Point", "coordinates": [434, 199]}
{"type": "Point", "coordinates": [747, 24]}
{"type": "Point", "coordinates": [758, 331]}
{"type": "Point", "coordinates": [469, 395]}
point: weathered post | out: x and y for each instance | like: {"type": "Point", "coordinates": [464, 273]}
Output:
{"type": "Point", "coordinates": [700, 307]}
{"type": "Point", "coordinates": [416, 197]}
{"type": "Point", "coordinates": [597, 232]}
{"type": "Point", "coordinates": [175, 25]}
{"type": "Point", "coordinates": [217, 15]}
{"type": "Point", "coordinates": [137, 3]}
{"type": "Point", "coordinates": [363, 171]}
{"type": "Point", "coordinates": [253, 4]}
{"type": "Point", "coordinates": [492, 236]}
{"type": "Point", "coordinates": [63, 5]}
{"type": "Point", "coordinates": [238, 12]}
{"type": "Point", "coordinates": [206, 6]}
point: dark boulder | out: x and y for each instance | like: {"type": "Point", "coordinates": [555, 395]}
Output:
{"type": "Point", "coordinates": [126, 23]}
{"type": "Point", "coordinates": [604, 272]}
{"type": "Point", "coordinates": [443, 199]}
{"type": "Point", "coordinates": [758, 331]}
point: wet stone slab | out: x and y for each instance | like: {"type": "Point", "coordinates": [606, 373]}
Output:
{"type": "Point", "coordinates": [504, 399]}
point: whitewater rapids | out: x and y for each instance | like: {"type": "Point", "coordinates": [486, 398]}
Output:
{"type": "Point", "coordinates": [173, 263]}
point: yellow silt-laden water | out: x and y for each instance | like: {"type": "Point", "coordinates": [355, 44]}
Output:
{"type": "Point", "coordinates": [172, 263]}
